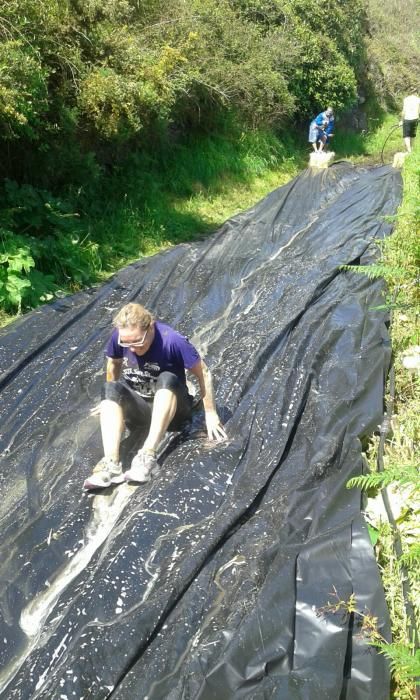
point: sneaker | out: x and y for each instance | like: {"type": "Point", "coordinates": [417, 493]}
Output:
{"type": "Point", "coordinates": [143, 467]}
{"type": "Point", "coordinates": [106, 472]}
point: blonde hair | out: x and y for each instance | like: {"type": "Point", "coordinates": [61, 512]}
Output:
{"type": "Point", "coordinates": [133, 315]}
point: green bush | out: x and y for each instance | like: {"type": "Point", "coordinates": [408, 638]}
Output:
{"type": "Point", "coordinates": [43, 246]}
{"type": "Point", "coordinates": [393, 49]}
{"type": "Point", "coordinates": [23, 90]}
{"type": "Point", "coordinates": [20, 284]}
{"type": "Point", "coordinates": [322, 51]}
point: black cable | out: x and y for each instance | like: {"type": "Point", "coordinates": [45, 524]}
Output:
{"type": "Point", "coordinates": [384, 432]}
{"type": "Point", "coordinates": [385, 142]}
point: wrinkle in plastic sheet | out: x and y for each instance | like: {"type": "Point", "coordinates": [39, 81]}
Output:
{"type": "Point", "coordinates": [207, 582]}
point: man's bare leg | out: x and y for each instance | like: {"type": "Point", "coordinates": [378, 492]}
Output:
{"type": "Point", "coordinates": [112, 426]}
{"type": "Point", "coordinates": [164, 409]}
{"type": "Point", "coordinates": [108, 470]}
{"type": "Point", "coordinates": [144, 464]}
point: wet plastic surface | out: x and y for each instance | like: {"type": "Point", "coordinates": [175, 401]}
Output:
{"type": "Point", "coordinates": [208, 582]}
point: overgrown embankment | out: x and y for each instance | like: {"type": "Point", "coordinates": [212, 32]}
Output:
{"type": "Point", "coordinates": [393, 453]}
{"type": "Point", "coordinates": [398, 543]}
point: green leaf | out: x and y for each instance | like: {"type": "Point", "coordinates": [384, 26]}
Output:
{"type": "Point", "coordinates": [21, 260]}
{"type": "Point", "coordinates": [15, 286]}
{"type": "Point", "coordinates": [373, 534]}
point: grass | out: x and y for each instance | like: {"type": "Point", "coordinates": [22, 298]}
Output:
{"type": "Point", "coordinates": [366, 145]}
{"type": "Point", "coordinates": [189, 192]}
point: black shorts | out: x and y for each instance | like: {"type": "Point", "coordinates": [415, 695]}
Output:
{"type": "Point", "coordinates": [137, 411]}
{"type": "Point", "coordinates": [410, 128]}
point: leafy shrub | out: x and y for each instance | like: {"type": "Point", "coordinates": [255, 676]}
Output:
{"type": "Point", "coordinates": [132, 89]}
{"type": "Point", "coordinates": [43, 246]}
{"type": "Point", "coordinates": [392, 56]}
{"type": "Point", "coordinates": [35, 211]}
{"type": "Point", "coordinates": [322, 51]}
{"type": "Point", "coordinates": [322, 76]}
{"type": "Point", "coordinates": [20, 284]}
{"type": "Point", "coordinates": [23, 89]}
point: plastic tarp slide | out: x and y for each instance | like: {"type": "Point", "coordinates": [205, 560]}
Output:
{"type": "Point", "coordinates": [213, 581]}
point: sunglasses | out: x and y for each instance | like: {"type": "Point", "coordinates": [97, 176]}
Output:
{"type": "Point", "coordinates": [135, 343]}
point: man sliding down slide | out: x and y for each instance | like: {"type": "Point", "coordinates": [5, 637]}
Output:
{"type": "Point", "coordinates": [146, 387]}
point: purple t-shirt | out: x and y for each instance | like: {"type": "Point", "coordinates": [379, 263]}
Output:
{"type": "Point", "coordinates": [169, 352]}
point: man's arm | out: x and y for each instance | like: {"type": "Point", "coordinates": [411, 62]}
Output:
{"type": "Point", "coordinates": [215, 429]}
{"type": "Point", "coordinates": [113, 372]}
{"type": "Point", "coordinates": [113, 369]}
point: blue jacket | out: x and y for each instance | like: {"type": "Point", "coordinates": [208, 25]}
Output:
{"type": "Point", "coordinates": [320, 125]}
{"type": "Point", "coordinates": [330, 126]}
{"type": "Point", "coordinates": [321, 120]}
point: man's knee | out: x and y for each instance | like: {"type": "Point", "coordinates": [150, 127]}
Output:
{"type": "Point", "coordinates": [167, 380]}
{"type": "Point", "coordinates": [112, 391]}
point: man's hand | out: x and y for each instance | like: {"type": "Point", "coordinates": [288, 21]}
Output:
{"type": "Point", "coordinates": [215, 429]}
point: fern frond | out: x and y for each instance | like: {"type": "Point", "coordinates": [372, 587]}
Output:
{"type": "Point", "coordinates": [411, 558]}
{"type": "Point", "coordinates": [405, 475]}
{"type": "Point", "coordinates": [404, 664]}
{"type": "Point", "coordinates": [377, 271]}
{"type": "Point", "coordinates": [393, 306]}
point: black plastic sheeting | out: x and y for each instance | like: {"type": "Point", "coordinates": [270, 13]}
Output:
{"type": "Point", "coordinates": [210, 582]}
